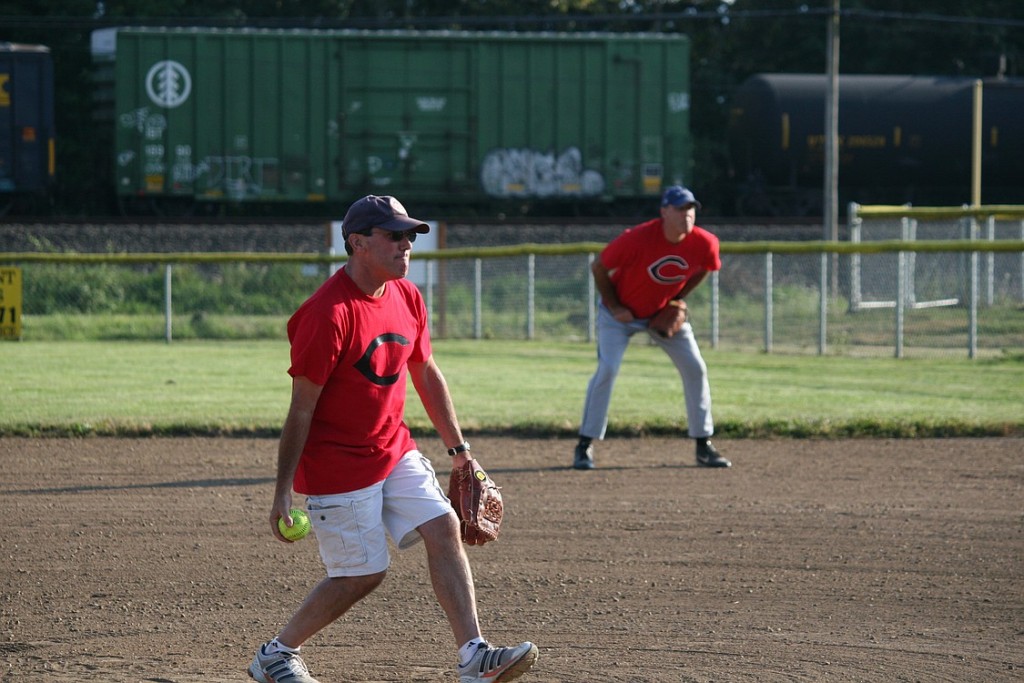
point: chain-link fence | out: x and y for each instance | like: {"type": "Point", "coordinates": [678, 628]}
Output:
{"type": "Point", "coordinates": [887, 291]}
{"type": "Point", "coordinates": [927, 279]}
{"type": "Point", "coordinates": [932, 299]}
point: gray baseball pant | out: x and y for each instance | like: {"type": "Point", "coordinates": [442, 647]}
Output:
{"type": "Point", "coordinates": [612, 340]}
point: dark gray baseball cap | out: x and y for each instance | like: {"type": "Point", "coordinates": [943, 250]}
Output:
{"type": "Point", "coordinates": [384, 212]}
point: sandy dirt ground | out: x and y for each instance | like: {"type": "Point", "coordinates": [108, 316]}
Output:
{"type": "Point", "coordinates": [152, 560]}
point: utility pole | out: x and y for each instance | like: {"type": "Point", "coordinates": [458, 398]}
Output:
{"type": "Point", "coordinates": [831, 217]}
{"type": "Point", "coordinates": [976, 130]}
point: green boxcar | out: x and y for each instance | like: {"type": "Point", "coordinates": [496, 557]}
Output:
{"type": "Point", "coordinates": [445, 118]}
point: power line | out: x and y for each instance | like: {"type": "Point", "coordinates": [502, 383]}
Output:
{"type": "Point", "coordinates": [510, 21]}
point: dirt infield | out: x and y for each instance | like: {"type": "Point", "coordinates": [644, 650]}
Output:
{"type": "Point", "coordinates": [151, 560]}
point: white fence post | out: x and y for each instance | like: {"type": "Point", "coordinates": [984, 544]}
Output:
{"type": "Point", "coordinates": [1022, 262]}
{"type": "Point", "coordinates": [768, 301]}
{"type": "Point", "coordinates": [990, 263]}
{"type": "Point", "coordinates": [478, 307]}
{"type": "Point", "coordinates": [592, 298]}
{"type": "Point", "coordinates": [972, 306]}
{"type": "Point", "coordinates": [901, 299]}
{"type": "Point", "coordinates": [855, 222]}
{"type": "Point", "coordinates": [429, 286]}
{"type": "Point", "coordinates": [715, 320]}
{"type": "Point", "coordinates": [167, 303]}
{"type": "Point", "coordinates": [531, 276]}
{"type": "Point", "coordinates": [908, 230]}
{"type": "Point", "coordinates": [823, 304]}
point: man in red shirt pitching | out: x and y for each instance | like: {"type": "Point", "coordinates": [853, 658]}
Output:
{"type": "Point", "coordinates": [346, 447]}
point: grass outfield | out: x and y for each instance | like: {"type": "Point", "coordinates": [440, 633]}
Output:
{"type": "Point", "coordinates": [515, 387]}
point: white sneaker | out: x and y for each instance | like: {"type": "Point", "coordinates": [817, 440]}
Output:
{"type": "Point", "coordinates": [280, 667]}
{"type": "Point", "coordinates": [498, 664]}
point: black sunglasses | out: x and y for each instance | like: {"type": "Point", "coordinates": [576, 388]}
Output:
{"type": "Point", "coordinates": [395, 235]}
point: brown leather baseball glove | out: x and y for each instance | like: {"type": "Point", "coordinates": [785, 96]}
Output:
{"type": "Point", "coordinates": [477, 502]}
{"type": "Point", "coordinates": [670, 319]}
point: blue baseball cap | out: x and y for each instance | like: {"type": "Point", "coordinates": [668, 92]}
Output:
{"type": "Point", "coordinates": [677, 195]}
{"type": "Point", "coordinates": [384, 212]}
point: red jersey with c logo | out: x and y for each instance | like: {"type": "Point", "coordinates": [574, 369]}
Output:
{"type": "Point", "coordinates": [648, 270]}
{"type": "Point", "coordinates": [356, 347]}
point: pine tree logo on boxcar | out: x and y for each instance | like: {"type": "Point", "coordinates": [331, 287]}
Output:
{"type": "Point", "coordinates": [168, 84]}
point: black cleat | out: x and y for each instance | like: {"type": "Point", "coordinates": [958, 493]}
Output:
{"type": "Point", "coordinates": [708, 456]}
{"type": "Point", "coordinates": [584, 458]}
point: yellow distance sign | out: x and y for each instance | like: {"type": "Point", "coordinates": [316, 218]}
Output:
{"type": "Point", "coordinates": [10, 303]}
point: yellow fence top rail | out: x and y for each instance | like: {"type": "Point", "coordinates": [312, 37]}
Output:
{"type": "Point", "coordinates": [1000, 211]}
{"type": "Point", "coordinates": [758, 247]}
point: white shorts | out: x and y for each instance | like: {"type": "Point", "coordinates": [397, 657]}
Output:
{"type": "Point", "coordinates": [352, 528]}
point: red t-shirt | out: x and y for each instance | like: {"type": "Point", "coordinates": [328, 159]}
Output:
{"type": "Point", "coordinates": [648, 270]}
{"type": "Point", "coordinates": [356, 347]}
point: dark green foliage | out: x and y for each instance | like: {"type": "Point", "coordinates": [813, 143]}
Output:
{"type": "Point", "coordinates": [228, 289]}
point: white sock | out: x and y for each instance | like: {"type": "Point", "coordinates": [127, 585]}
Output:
{"type": "Point", "coordinates": [466, 651]}
{"type": "Point", "coordinates": [276, 646]}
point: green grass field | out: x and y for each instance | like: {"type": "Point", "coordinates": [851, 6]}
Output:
{"type": "Point", "coordinates": [514, 387]}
